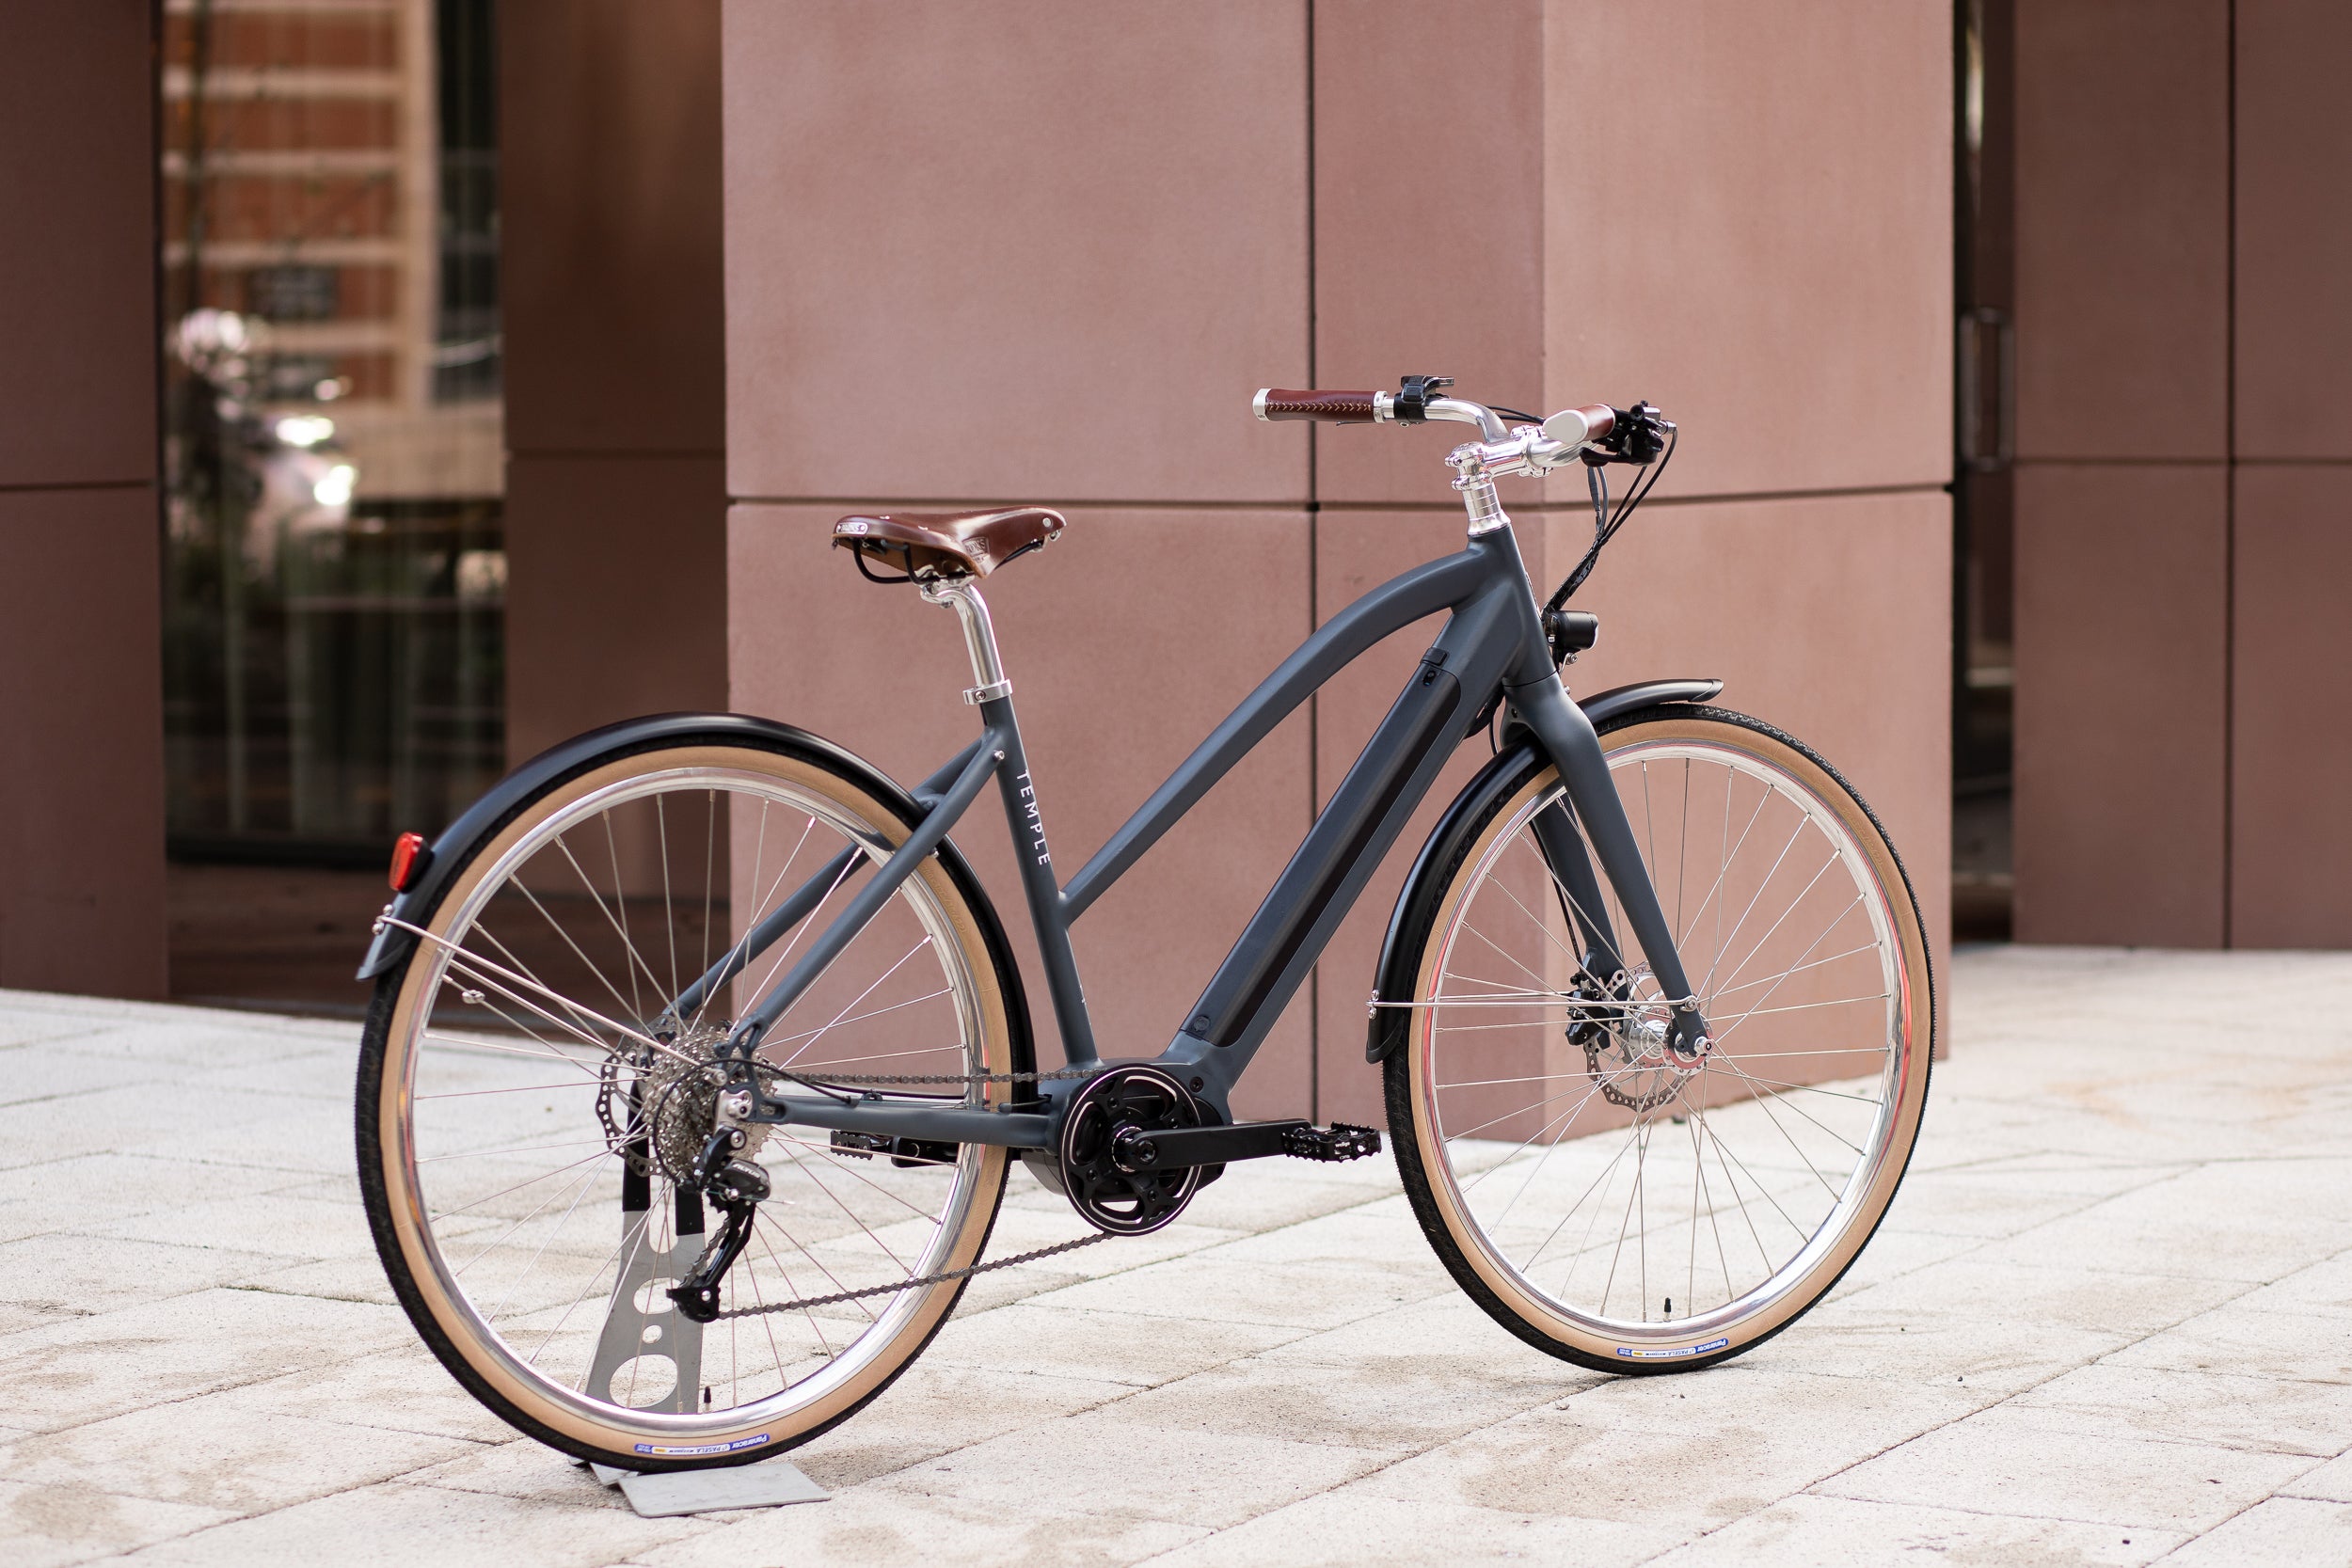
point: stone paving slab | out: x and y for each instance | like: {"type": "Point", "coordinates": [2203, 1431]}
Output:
{"type": "Point", "coordinates": [2108, 1320]}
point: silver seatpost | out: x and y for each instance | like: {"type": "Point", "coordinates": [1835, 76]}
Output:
{"type": "Point", "coordinates": [979, 635]}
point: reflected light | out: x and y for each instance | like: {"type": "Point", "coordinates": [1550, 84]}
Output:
{"type": "Point", "coordinates": [334, 486]}
{"type": "Point", "coordinates": [305, 430]}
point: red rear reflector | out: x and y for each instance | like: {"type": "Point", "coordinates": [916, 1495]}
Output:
{"type": "Point", "coordinates": [408, 858]}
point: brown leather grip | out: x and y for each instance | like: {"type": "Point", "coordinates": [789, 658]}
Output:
{"type": "Point", "coordinates": [1600, 420]}
{"type": "Point", "coordinates": [1277, 403]}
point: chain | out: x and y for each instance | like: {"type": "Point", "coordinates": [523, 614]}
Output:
{"type": "Point", "coordinates": [966, 1272]}
{"type": "Point", "coordinates": [817, 1076]}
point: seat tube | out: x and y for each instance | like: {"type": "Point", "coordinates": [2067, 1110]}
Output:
{"type": "Point", "coordinates": [992, 693]}
{"type": "Point", "coordinates": [1568, 737]}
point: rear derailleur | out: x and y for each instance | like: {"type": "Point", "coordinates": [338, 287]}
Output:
{"type": "Point", "coordinates": [735, 1187]}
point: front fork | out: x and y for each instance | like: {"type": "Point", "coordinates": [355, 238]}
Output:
{"type": "Point", "coordinates": [1568, 737]}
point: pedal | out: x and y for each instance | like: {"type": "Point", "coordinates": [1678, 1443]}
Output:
{"type": "Point", "coordinates": [905, 1153]}
{"type": "Point", "coordinates": [1338, 1141]}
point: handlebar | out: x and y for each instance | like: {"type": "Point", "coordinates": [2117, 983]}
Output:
{"type": "Point", "coordinates": [1573, 428]}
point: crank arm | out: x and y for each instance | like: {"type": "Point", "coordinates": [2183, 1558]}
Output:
{"type": "Point", "coordinates": [1175, 1148]}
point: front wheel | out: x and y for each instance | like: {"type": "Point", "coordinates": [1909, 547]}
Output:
{"type": "Point", "coordinates": [532, 1088]}
{"type": "Point", "coordinates": [1601, 1197]}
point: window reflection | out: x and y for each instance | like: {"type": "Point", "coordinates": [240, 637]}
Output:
{"type": "Point", "coordinates": [335, 574]}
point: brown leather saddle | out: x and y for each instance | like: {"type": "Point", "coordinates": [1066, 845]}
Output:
{"type": "Point", "coordinates": [947, 544]}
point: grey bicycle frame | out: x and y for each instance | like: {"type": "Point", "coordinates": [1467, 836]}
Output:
{"type": "Point", "coordinates": [1493, 644]}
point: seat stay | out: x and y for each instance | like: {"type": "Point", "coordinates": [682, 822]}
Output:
{"type": "Point", "coordinates": [982, 762]}
{"type": "Point", "coordinates": [796, 907]}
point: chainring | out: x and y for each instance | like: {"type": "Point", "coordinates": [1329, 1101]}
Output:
{"type": "Point", "coordinates": [1109, 1195]}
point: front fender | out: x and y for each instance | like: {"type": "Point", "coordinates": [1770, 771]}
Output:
{"type": "Point", "coordinates": [490, 813]}
{"type": "Point", "coordinates": [1387, 1028]}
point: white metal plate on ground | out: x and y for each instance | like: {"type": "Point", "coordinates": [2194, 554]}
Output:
{"type": "Point", "coordinates": [766, 1485]}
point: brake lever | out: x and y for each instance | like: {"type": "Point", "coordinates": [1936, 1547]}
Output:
{"type": "Point", "coordinates": [1637, 435]}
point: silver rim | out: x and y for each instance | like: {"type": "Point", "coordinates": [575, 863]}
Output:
{"type": "Point", "coordinates": [1658, 1207]}
{"type": "Point", "coordinates": [538, 1004]}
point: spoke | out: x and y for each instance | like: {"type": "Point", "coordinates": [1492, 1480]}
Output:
{"type": "Point", "coordinates": [710, 871]}
{"type": "Point", "coordinates": [490, 1153]}
{"type": "Point", "coordinates": [811, 1168]}
{"type": "Point", "coordinates": [533, 1267]}
{"type": "Point", "coordinates": [516, 882]}
{"type": "Point", "coordinates": [856, 1175]}
{"type": "Point", "coordinates": [1698, 1156]}
{"type": "Point", "coordinates": [860, 996]}
{"type": "Point", "coordinates": [1533, 1078]}
{"type": "Point", "coordinates": [624, 1253]}
{"type": "Point", "coordinates": [1538, 922]}
{"type": "Point", "coordinates": [518, 1088]}
{"type": "Point", "coordinates": [668, 916]}
{"type": "Point", "coordinates": [1519, 1110]}
{"type": "Point", "coordinates": [1723, 868]}
{"type": "Point", "coordinates": [1641, 1158]}
{"type": "Point", "coordinates": [1570, 1212]}
{"type": "Point", "coordinates": [1871, 946]}
{"type": "Point", "coordinates": [1507, 957]}
{"type": "Point", "coordinates": [1805, 1006]}
{"type": "Point", "coordinates": [1769, 1101]}
{"type": "Point", "coordinates": [1804, 821]}
{"type": "Point", "coordinates": [1814, 1089]}
{"type": "Point", "coordinates": [1724, 1155]}
{"type": "Point", "coordinates": [436, 1215]}
{"type": "Point", "coordinates": [460, 1043]}
{"type": "Point", "coordinates": [926, 996]}
{"type": "Point", "coordinates": [1815, 942]}
{"type": "Point", "coordinates": [1763, 1102]}
{"type": "Point", "coordinates": [807, 925]}
{"type": "Point", "coordinates": [819, 1263]}
{"type": "Point", "coordinates": [620, 902]}
{"type": "Point", "coordinates": [1835, 859]}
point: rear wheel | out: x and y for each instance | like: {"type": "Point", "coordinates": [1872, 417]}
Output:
{"type": "Point", "coordinates": [528, 1100]}
{"type": "Point", "coordinates": [1603, 1199]}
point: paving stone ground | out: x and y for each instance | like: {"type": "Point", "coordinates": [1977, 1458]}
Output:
{"type": "Point", "coordinates": [2108, 1320]}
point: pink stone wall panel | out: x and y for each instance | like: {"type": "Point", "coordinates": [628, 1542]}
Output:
{"type": "Point", "coordinates": [2294, 229]}
{"type": "Point", "coordinates": [1428, 223]}
{"type": "Point", "coordinates": [1827, 617]}
{"type": "Point", "coordinates": [1127, 641]}
{"type": "Point", "coordinates": [81, 784]}
{"type": "Point", "coordinates": [611, 257]}
{"type": "Point", "coordinates": [2121, 228]}
{"type": "Point", "coordinates": [2291, 834]}
{"type": "Point", "coordinates": [1748, 222]}
{"type": "Point", "coordinates": [616, 597]}
{"type": "Point", "coordinates": [1041, 250]}
{"type": "Point", "coordinates": [2119, 823]}
{"type": "Point", "coordinates": [77, 266]}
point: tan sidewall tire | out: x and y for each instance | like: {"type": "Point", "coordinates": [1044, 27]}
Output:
{"type": "Point", "coordinates": [1538, 1317]}
{"type": "Point", "coordinates": [457, 1328]}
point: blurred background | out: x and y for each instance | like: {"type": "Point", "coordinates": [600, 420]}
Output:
{"type": "Point", "coordinates": [395, 387]}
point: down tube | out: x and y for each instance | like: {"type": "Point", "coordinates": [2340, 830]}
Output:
{"type": "Point", "coordinates": [1345, 845]}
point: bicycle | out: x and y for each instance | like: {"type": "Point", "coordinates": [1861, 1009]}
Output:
{"type": "Point", "coordinates": [1654, 1010]}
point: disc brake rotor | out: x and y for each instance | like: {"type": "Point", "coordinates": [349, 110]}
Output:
{"type": "Point", "coordinates": [1628, 1037]}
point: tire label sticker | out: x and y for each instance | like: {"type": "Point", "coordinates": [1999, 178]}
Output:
{"type": "Point", "coordinates": [1645, 1352]}
{"type": "Point", "coordinates": [666, 1451]}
